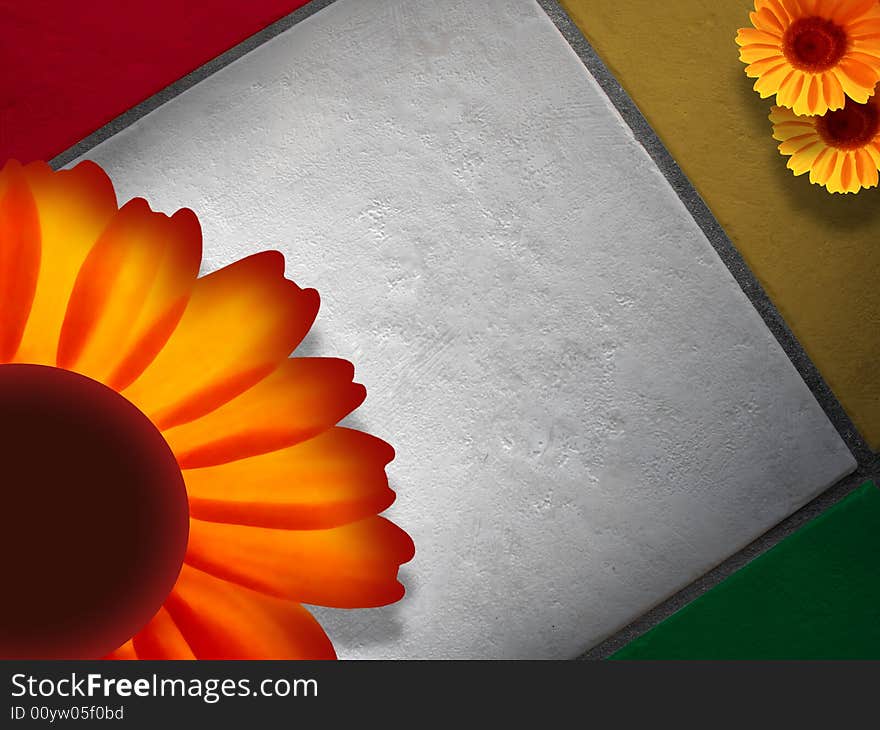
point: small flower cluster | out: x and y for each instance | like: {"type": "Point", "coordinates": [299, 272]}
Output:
{"type": "Point", "coordinates": [821, 60]}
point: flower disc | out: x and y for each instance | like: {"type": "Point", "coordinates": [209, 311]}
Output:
{"type": "Point", "coordinates": [94, 519]}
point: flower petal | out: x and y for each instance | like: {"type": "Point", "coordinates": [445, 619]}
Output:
{"type": "Point", "coordinates": [20, 251]}
{"type": "Point", "coordinates": [239, 324]}
{"type": "Point", "coordinates": [350, 566]}
{"type": "Point", "coordinates": [857, 79]}
{"type": "Point", "coordinates": [124, 652]}
{"type": "Point", "coordinates": [764, 19]}
{"type": "Point", "coordinates": [161, 639]}
{"type": "Point", "coordinates": [750, 36]}
{"type": "Point", "coordinates": [802, 160]}
{"type": "Point", "coordinates": [866, 170]}
{"type": "Point", "coordinates": [74, 207]}
{"type": "Point", "coordinates": [304, 396]}
{"type": "Point", "coordinates": [130, 293]}
{"type": "Point", "coordinates": [822, 166]}
{"type": "Point", "coordinates": [777, 8]}
{"type": "Point", "coordinates": [834, 96]}
{"type": "Point", "coordinates": [850, 10]}
{"type": "Point", "coordinates": [220, 620]}
{"type": "Point", "coordinates": [330, 480]}
{"type": "Point", "coordinates": [790, 90]}
{"type": "Point", "coordinates": [771, 81]}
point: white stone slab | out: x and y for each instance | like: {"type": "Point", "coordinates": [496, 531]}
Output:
{"type": "Point", "coordinates": [587, 411]}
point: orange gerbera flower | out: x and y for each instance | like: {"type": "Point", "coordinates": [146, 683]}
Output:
{"type": "Point", "coordinates": [840, 150]}
{"type": "Point", "coordinates": [174, 486]}
{"type": "Point", "coordinates": [812, 54]}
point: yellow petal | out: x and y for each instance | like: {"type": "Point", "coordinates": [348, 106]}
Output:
{"type": "Point", "coordinates": [239, 324]}
{"type": "Point", "coordinates": [803, 160]}
{"type": "Point", "coordinates": [74, 207]}
{"type": "Point", "coordinates": [130, 293]}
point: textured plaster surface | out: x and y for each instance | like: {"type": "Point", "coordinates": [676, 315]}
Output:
{"type": "Point", "coordinates": [815, 254]}
{"type": "Point", "coordinates": [588, 412]}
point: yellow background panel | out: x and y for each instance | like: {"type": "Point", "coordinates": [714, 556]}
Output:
{"type": "Point", "coordinates": [817, 255]}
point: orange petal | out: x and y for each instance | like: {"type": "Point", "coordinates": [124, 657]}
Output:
{"type": "Point", "coordinates": [866, 59]}
{"type": "Point", "coordinates": [124, 652]}
{"type": "Point", "coordinates": [332, 479]}
{"type": "Point", "coordinates": [161, 639]}
{"type": "Point", "coordinates": [867, 26]}
{"type": "Point", "coordinates": [350, 566]}
{"type": "Point", "coordinates": [775, 7]}
{"type": "Point", "coordinates": [220, 620]}
{"type": "Point", "coordinates": [770, 81]}
{"type": "Point", "coordinates": [304, 396]}
{"type": "Point", "coordinates": [816, 94]}
{"type": "Point", "coordinates": [822, 166]}
{"type": "Point", "coordinates": [834, 182]}
{"type": "Point", "coordinates": [767, 65]}
{"type": "Point", "coordinates": [850, 10]}
{"type": "Point", "coordinates": [790, 90]}
{"type": "Point", "coordinates": [19, 256]}
{"type": "Point", "coordinates": [848, 177]}
{"type": "Point", "coordinates": [239, 324]}
{"type": "Point", "coordinates": [834, 96]}
{"type": "Point", "coordinates": [754, 53]}
{"type": "Point", "coordinates": [764, 19]}
{"type": "Point", "coordinates": [750, 36]}
{"type": "Point", "coordinates": [74, 207]}
{"type": "Point", "coordinates": [874, 151]}
{"type": "Point", "coordinates": [866, 169]}
{"type": "Point", "coordinates": [130, 293]}
{"type": "Point", "coordinates": [857, 79]}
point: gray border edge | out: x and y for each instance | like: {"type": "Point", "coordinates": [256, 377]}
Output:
{"type": "Point", "coordinates": [868, 462]}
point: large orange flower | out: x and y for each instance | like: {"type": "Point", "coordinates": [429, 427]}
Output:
{"type": "Point", "coordinates": [840, 150]}
{"type": "Point", "coordinates": [173, 485]}
{"type": "Point", "coordinates": [812, 54]}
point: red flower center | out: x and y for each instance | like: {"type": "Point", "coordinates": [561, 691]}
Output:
{"type": "Point", "coordinates": [94, 520]}
{"type": "Point", "coordinates": [850, 128]}
{"type": "Point", "coordinates": [814, 44]}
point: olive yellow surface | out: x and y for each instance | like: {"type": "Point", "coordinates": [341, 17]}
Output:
{"type": "Point", "coordinates": [816, 254]}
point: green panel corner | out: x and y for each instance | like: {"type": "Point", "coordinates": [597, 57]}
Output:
{"type": "Point", "coordinates": [815, 595]}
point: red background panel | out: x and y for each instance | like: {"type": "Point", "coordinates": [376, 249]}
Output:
{"type": "Point", "coordinates": [67, 68]}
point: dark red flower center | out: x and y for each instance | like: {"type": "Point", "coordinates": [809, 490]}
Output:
{"type": "Point", "coordinates": [850, 128]}
{"type": "Point", "coordinates": [94, 519]}
{"type": "Point", "coordinates": [814, 44]}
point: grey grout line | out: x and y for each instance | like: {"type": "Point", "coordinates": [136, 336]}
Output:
{"type": "Point", "coordinates": [868, 461]}
{"type": "Point", "coordinates": [186, 82]}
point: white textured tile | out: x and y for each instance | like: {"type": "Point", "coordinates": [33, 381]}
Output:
{"type": "Point", "coordinates": [588, 412]}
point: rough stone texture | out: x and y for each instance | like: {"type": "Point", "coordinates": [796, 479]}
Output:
{"type": "Point", "coordinates": [587, 410]}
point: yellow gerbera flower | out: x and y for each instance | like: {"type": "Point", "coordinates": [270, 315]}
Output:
{"type": "Point", "coordinates": [812, 54]}
{"type": "Point", "coordinates": [840, 150]}
{"type": "Point", "coordinates": [173, 484]}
